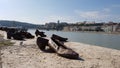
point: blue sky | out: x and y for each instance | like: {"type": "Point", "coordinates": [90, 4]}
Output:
{"type": "Point", "coordinates": [43, 11]}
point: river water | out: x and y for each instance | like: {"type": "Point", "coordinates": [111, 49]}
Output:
{"type": "Point", "coordinates": [98, 39]}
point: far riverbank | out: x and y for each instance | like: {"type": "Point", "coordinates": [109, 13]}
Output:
{"type": "Point", "coordinates": [114, 33]}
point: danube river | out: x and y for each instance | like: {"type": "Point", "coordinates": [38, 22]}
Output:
{"type": "Point", "coordinates": [98, 39]}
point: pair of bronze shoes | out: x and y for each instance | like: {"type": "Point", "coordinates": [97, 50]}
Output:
{"type": "Point", "coordinates": [56, 43]}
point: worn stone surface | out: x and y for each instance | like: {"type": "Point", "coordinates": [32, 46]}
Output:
{"type": "Point", "coordinates": [26, 54]}
{"type": "Point", "coordinates": [0, 59]}
{"type": "Point", "coordinates": [1, 39]}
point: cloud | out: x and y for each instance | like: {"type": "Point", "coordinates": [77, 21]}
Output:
{"type": "Point", "coordinates": [103, 15]}
{"type": "Point", "coordinates": [88, 14]}
{"type": "Point", "coordinates": [92, 14]}
{"type": "Point", "coordinates": [54, 18]}
{"type": "Point", "coordinates": [106, 9]}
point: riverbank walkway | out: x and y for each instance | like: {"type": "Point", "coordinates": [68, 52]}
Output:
{"type": "Point", "coordinates": [28, 55]}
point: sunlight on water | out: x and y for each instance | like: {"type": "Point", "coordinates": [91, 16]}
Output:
{"type": "Point", "coordinates": [104, 40]}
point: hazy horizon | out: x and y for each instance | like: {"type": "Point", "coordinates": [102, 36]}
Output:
{"type": "Point", "coordinates": [71, 11]}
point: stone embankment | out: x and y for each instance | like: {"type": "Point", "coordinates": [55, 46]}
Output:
{"type": "Point", "coordinates": [26, 54]}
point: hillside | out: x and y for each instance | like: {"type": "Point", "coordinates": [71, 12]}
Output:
{"type": "Point", "coordinates": [17, 24]}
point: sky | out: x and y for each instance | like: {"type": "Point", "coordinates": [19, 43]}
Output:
{"type": "Point", "coordinates": [71, 11]}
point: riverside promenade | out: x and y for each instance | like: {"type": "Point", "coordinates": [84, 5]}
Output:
{"type": "Point", "coordinates": [26, 54]}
